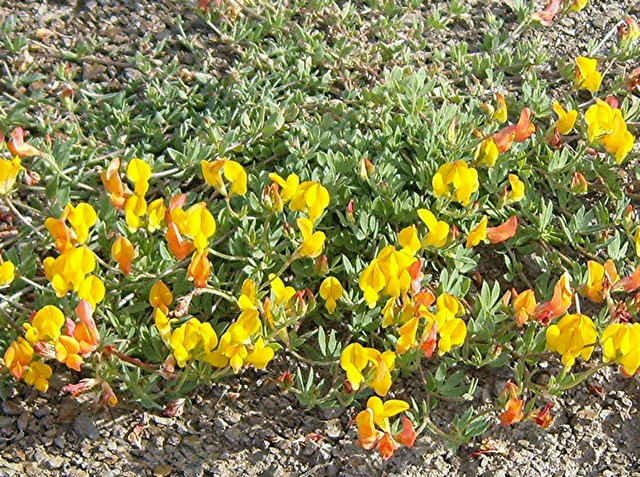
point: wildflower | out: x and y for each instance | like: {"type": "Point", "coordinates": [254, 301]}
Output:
{"type": "Point", "coordinates": [236, 348]}
{"type": "Point", "coordinates": [524, 306]}
{"type": "Point", "coordinates": [108, 397]}
{"type": "Point", "coordinates": [197, 223]}
{"type": "Point", "coordinates": [549, 13]}
{"type": "Point", "coordinates": [312, 242]}
{"type": "Point", "coordinates": [407, 437]}
{"type": "Point", "coordinates": [629, 284]}
{"type": "Point", "coordinates": [18, 147]}
{"type": "Point", "coordinates": [478, 233]}
{"type": "Point", "coordinates": [452, 333]}
{"type": "Point", "coordinates": [308, 196]}
{"type": "Point", "coordinates": [559, 303]}
{"type": "Point", "coordinates": [517, 192]}
{"type": "Point", "coordinates": [621, 344]}
{"type": "Point", "coordinates": [519, 132]}
{"type": "Point", "coordinates": [579, 184]}
{"type": "Point", "coordinates": [160, 296]}
{"type": "Point", "coordinates": [504, 231]}
{"type": "Point", "coordinates": [45, 325]}
{"type": "Point", "coordinates": [487, 153]}
{"type": "Point", "coordinates": [388, 274]}
{"type": "Point", "coordinates": [377, 415]}
{"type": "Point", "coordinates": [139, 172]}
{"type": "Point", "coordinates": [123, 252]}
{"type": "Point", "coordinates": [91, 289]}
{"type": "Point", "coordinates": [260, 355]}
{"type": "Point", "coordinates": [18, 356]}
{"type": "Point", "coordinates": [163, 324]}
{"type": "Point", "coordinates": [9, 170]}
{"type": "Point", "coordinates": [200, 269]}
{"type": "Point", "coordinates": [587, 75]}
{"type": "Point", "coordinates": [409, 240]}
{"type": "Point", "coordinates": [179, 247]}
{"type": "Point", "coordinates": [456, 180]}
{"type": "Point", "coordinates": [600, 279]}
{"type": "Point", "coordinates": [233, 172]}
{"type": "Point", "coordinates": [86, 332]}
{"type": "Point", "coordinates": [383, 410]}
{"type": "Point", "coordinates": [607, 126]}
{"type": "Point", "coordinates": [69, 269]}
{"type": "Point", "coordinates": [573, 336]}
{"type": "Point", "coordinates": [331, 291]}
{"type": "Point", "coordinates": [289, 186]}
{"type": "Point", "coordinates": [67, 351]}
{"type": "Point", "coordinates": [513, 412]}
{"type": "Point", "coordinates": [543, 417]}
{"type": "Point", "coordinates": [82, 218]}
{"type": "Point", "coordinates": [368, 435]}
{"type": "Point", "coordinates": [355, 358]}
{"type": "Point", "coordinates": [113, 184]}
{"type": "Point", "coordinates": [501, 112]}
{"type": "Point", "coordinates": [156, 215]}
{"type": "Point", "coordinates": [192, 340]}
{"type": "Point", "coordinates": [407, 338]}
{"type": "Point", "coordinates": [37, 375]}
{"type": "Point", "coordinates": [7, 273]}
{"type": "Point", "coordinates": [438, 229]}
{"type": "Point", "coordinates": [566, 119]}
{"type": "Point", "coordinates": [281, 294]}
{"type": "Point", "coordinates": [134, 209]}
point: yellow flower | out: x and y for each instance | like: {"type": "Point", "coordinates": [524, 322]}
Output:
{"type": "Point", "coordinates": [478, 233]}
{"type": "Point", "coordinates": [487, 153]}
{"type": "Point", "coordinates": [197, 223]}
{"type": "Point", "coordinates": [9, 170]}
{"type": "Point", "coordinates": [600, 278]}
{"type": "Point", "coordinates": [45, 325]}
{"type": "Point", "coordinates": [355, 358]}
{"type": "Point", "coordinates": [409, 240]}
{"type": "Point", "coordinates": [312, 242]}
{"type": "Point", "coordinates": [160, 296]}
{"type": "Point", "coordinates": [382, 411]}
{"type": "Point", "coordinates": [524, 306]}
{"type": "Point", "coordinates": [607, 126]}
{"type": "Point", "coordinates": [92, 290]}
{"type": "Point", "coordinates": [260, 355]}
{"type": "Point", "coordinates": [289, 186]}
{"type": "Point", "coordinates": [37, 375]}
{"type": "Point", "coordinates": [331, 290]}
{"type": "Point", "coordinates": [438, 229]}
{"type": "Point", "coordinates": [7, 273]}
{"type": "Point", "coordinates": [407, 335]}
{"type": "Point", "coordinates": [157, 211]}
{"type": "Point", "coordinates": [566, 119]}
{"type": "Point", "coordinates": [233, 172]}
{"type": "Point", "coordinates": [69, 269]}
{"type": "Point", "coordinates": [587, 75]}
{"type": "Point", "coordinates": [578, 5]}
{"type": "Point", "coordinates": [248, 295]}
{"type": "Point", "coordinates": [501, 112]}
{"type": "Point", "coordinates": [311, 197]}
{"type": "Point", "coordinates": [134, 209]}
{"type": "Point", "coordinates": [163, 324]}
{"type": "Point", "coordinates": [573, 336]}
{"type": "Point", "coordinates": [192, 340]}
{"type": "Point", "coordinates": [82, 218]}
{"type": "Point", "coordinates": [452, 334]}
{"type": "Point", "coordinates": [517, 191]}
{"type": "Point", "coordinates": [139, 172]}
{"type": "Point", "coordinates": [388, 274]}
{"type": "Point", "coordinates": [18, 356]}
{"type": "Point", "coordinates": [281, 294]}
{"type": "Point", "coordinates": [458, 176]}
{"type": "Point", "coordinates": [122, 251]}
{"type": "Point", "coordinates": [621, 344]}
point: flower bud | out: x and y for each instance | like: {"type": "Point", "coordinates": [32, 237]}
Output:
{"type": "Point", "coordinates": [351, 211]}
{"type": "Point", "coordinates": [579, 184]}
{"type": "Point", "coordinates": [271, 198]}
{"type": "Point", "coordinates": [321, 265]}
{"type": "Point", "coordinates": [367, 168]}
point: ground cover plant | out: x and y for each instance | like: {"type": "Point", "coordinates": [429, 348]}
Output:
{"type": "Point", "coordinates": [386, 227]}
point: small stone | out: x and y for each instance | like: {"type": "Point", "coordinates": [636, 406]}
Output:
{"type": "Point", "coordinates": [6, 421]}
{"type": "Point", "coordinates": [59, 442]}
{"type": "Point", "coordinates": [84, 426]}
{"type": "Point", "coordinates": [42, 412]}
{"type": "Point", "coordinates": [162, 470]}
{"type": "Point", "coordinates": [10, 408]}
{"type": "Point", "coordinates": [23, 421]}
{"type": "Point", "coordinates": [93, 72]}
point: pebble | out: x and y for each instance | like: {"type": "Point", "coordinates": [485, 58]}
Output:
{"type": "Point", "coordinates": [11, 408]}
{"type": "Point", "coordinates": [84, 426]}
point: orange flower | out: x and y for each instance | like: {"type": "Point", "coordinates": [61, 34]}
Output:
{"type": "Point", "coordinates": [200, 269]}
{"type": "Point", "coordinates": [503, 232]}
{"type": "Point", "coordinates": [513, 412]}
{"type": "Point", "coordinates": [180, 247]}
{"type": "Point", "coordinates": [86, 332]}
{"type": "Point", "coordinates": [68, 352]}
{"type": "Point", "coordinates": [524, 306]}
{"type": "Point", "coordinates": [367, 433]}
{"type": "Point", "coordinates": [547, 15]}
{"type": "Point", "coordinates": [160, 296]}
{"type": "Point", "coordinates": [629, 284]}
{"type": "Point", "coordinates": [18, 356]}
{"type": "Point", "coordinates": [430, 345]}
{"type": "Point", "coordinates": [519, 132]}
{"type": "Point", "coordinates": [407, 437]}
{"type": "Point", "coordinates": [113, 184]}
{"type": "Point", "coordinates": [543, 417]}
{"type": "Point", "coordinates": [559, 303]}
{"type": "Point", "coordinates": [387, 446]}
{"type": "Point", "coordinates": [123, 252]}
{"type": "Point", "coordinates": [18, 147]}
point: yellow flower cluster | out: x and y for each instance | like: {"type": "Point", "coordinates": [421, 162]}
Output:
{"type": "Point", "coordinates": [309, 197]}
{"type": "Point", "coordinates": [457, 181]}
{"type": "Point", "coordinates": [73, 268]}
{"type": "Point", "coordinates": [606, 126]}
{"type": "Point", "coordinates": [368, 366]}
{"type": "Point", "coordinates": [573, 336]}
{"type": "Point", "coordinates": [233, 172]}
